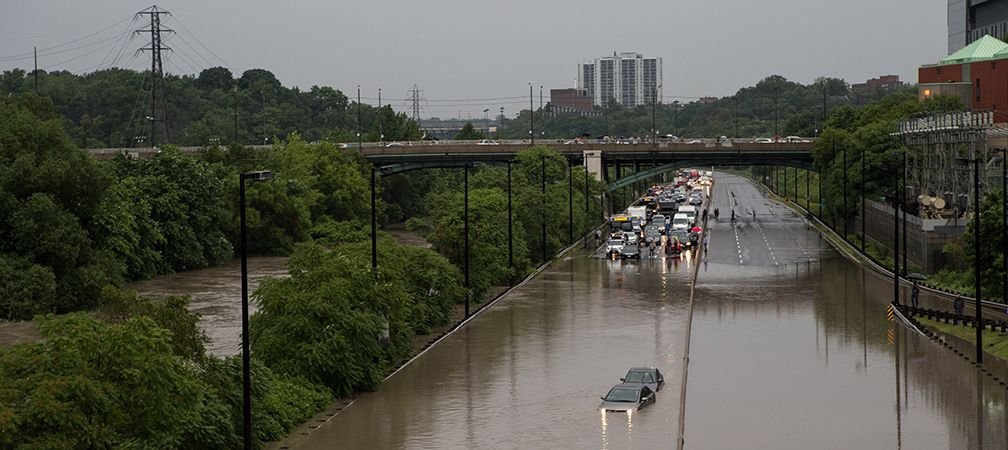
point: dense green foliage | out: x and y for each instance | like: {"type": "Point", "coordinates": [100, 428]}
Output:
{"type": "Point", "coordinates": [442, 218]}
{"type": "Point", "coordinates": [100, 109]}
{"type": "Point", "coordinates": [798, 112]}
{"type": "Point", "coordinates": [327, 320]}
{"type": "Point", "coordinates": [140, 379]}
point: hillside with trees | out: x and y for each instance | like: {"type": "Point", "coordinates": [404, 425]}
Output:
{"type": "Point", "coordinates": [108, 108]}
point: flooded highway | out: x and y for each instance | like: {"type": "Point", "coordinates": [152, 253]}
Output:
{"type": "Point", "coordinates": [791, 349]}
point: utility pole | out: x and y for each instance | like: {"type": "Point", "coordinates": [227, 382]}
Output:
{"type": "Point", "coordinates": [501, 131]}
{"type": "Point", "coordinates": [776, 96]}
{"type": "Point", "coordinates": [976, 255]}
{"type": "Point", "coordinates": [654, 105]}
{"type": "Point", "coordinates": [157, 70]}
{"type": "Point", "coordinates": [360, 137]}
{"type": "Point", "coordinates": [736, 115]}
{"type": "Point", "coordinates": [531, 117]}
{"type": "Point", "coordinates": [823, 128]}
{"type": "Point", "coordinates": [381, 137]}
{"type": "Point", "coordinates": [541, 104]}
{"type": "Point", "coordinates": [235, 138]}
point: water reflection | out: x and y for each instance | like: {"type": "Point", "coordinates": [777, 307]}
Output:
{"type": "Point", "coordinates": [803, 347]}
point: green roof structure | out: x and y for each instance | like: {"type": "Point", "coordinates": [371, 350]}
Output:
{"type": "Point", "coordinates": [986, 47]}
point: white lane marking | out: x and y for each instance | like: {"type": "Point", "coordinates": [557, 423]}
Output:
{"type": "Point", "coordinates": [760, 228]}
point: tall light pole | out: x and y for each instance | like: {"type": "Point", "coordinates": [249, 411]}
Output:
{"type": "Point", "coordinates": [736, 115]}
{"type": "Point", "coordinates": [381, 136]}
{"type": "Point", "coordinates": [863, 235]}
{"type": "Point", "coordinates": [976, 256]}
{"type": "Point", "coordinates": [262, 175]}
{"type": "Point", "coordinates": [675, 117]}
{"type": "Point", "coordinates": [531, 117]}
{"type": "Point", "coordinates": [360, 137]}
{"type": "Point", "coordinates": [654, 106]}
{"type": "Point", "coordinates": [541, 108]}
{"type": "Point", "coordinates": [776, 95]}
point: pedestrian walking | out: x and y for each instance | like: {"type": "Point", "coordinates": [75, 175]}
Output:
{"type": "Point", "coordinates": [705, 215]}
{"type": "Point", "coordinates": [706, 242]}
{"type": "Point", "coordinates": [733, 215]}
{"type": "Point", "coordinates": [716, 213]}
{"type": "Point", "coordinates": [915, 295]}
{"type": "Point", "coordinates": [957, 305]}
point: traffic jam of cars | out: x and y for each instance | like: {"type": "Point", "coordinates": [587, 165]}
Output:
{"type": "Point", "coordinates": [663, 221]}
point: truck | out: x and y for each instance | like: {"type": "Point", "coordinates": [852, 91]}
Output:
{"type": "Point", "coordinates": [638, 211]}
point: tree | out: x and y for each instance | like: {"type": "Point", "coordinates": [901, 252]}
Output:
{"type": "Point", "coordinates": [215, 78]}
{"type": "Point", "coordinates": [105, 386]}
{"type": "Point", "coordinates": [468, 133]}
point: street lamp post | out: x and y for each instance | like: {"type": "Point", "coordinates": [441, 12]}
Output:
{"type": "Point", "coordinates": [262, 175]}
{"type": "Point", "coordinates": [903, 202]}
{"type": "Point", "coordinates": [542, 206]}
{"type": "Point", "coordinates": [531, 117]}
{"type": "Point", "coordinates": [863, 235]}
{"type": "Point", "coordinates": [510, 230]}
{"type": "Point", "coordinates": [466, 239]}
{"type": "Point", "coordinates": [896, 264]}
{"type": "Point", "coordinates": [976, 257]}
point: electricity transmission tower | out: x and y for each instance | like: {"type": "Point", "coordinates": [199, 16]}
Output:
{"type": "Point", "coordinates": [415, 103]}
{"type": "Point", "coordinates": [157, 90]}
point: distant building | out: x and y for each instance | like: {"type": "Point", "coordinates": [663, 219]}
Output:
{"type": "Point", "coordinates": [707, 99]}
{"type": "Point", "coordinates": [969, 20]}
{"type": "Point", "coordinates": [628, 79]}
{"type": "Point", "coordinates": [570, 100]}
{"type": "Point", "coordinates": [975, 73]}
{"type": "Point", "coordinates": [882, 82]}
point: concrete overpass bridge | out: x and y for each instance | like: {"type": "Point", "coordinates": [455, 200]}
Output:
{"type": "Point", "coordinates": [620, 163]}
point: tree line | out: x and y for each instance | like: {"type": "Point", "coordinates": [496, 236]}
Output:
{"type": "Point", "coordinates": [755, 111]}
{"type": "Point", "coordinates": [110, 108]}
{"type": "Point", "coordinates": [76, 230]}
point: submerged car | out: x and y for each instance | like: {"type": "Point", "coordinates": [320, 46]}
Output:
{"type": "Point", "coordinates": [614, 247]}
{"type": "Point", "coordinates": [630, 252]}
{"type": "Point", "coordinates": [627, 397]}
{"type": "Point", "coordinates": [648, 376]}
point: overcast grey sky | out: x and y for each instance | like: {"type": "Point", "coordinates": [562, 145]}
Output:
{"type": "Point", "coordinates": [471, 49]}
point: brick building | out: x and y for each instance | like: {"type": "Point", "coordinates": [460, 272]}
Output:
{"type": "Point", "coordinates": [977, 74]}
{"type": "Point", "coordinates": [570, 100]}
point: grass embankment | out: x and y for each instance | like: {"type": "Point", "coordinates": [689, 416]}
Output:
{"type": "Point", "coordinates": [995, 342]}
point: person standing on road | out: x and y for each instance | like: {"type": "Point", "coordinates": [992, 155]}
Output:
{"type": "Point", "coordinates": [915, 295]}
{"type": "Point", "coordinates": [716, 213]}
{"type": "Point", "coordinates": [705, 215]}
{"type": "Point", "coordinates": [958, 304]}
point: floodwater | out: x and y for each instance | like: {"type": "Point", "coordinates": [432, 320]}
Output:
{"type": "Point", "coordinates": [216, 296]}
{"type": "Point", "coordinates": [790, 349]}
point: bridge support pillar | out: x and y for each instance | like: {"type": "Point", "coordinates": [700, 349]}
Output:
{"type": "Point", "coordinates": [593, 163]}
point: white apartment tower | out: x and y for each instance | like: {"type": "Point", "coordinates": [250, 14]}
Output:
{"type": "Point", "coordinates": [627, 78]}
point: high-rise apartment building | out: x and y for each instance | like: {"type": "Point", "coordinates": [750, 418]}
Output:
{"type": "Point", "coordinates": [969, 20]}
{"type": "Point", "coordinates": [628, 79]}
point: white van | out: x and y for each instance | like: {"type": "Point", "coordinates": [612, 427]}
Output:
{"type": "Point", "coordinates": [680, 221]}
{"type": "Point", "coordinates": [689, 211]}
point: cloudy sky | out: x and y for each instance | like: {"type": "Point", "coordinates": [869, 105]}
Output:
{"type": "Point", "coordinates": [461, 51]}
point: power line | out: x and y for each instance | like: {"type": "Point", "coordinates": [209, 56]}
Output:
{"type": "Point", "coordinates": [198, 41]}
{"type": "Point", "coordinates": [72, 41]}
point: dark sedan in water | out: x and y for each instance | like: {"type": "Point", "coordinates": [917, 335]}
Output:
{"type": "Point", "coordinates": [648, 376]}
{"type": "Point", "coordinates": [627, 397]}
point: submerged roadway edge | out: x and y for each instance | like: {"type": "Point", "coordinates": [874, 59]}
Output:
{"type": "Point", "coordinates": [702, 252]}
{"type": "Point", "coordinates": [299, 433]}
